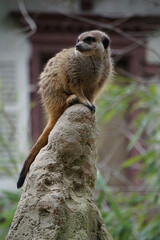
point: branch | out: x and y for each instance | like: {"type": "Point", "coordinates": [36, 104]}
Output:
{"type": "Point", "coordinates": [32, 26]}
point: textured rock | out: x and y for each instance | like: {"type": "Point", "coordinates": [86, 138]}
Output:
{"type": "Point", "coordinates": [57, 199]}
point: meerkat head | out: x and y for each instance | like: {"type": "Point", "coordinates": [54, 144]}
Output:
{"type": "Point", "coordinates": [92, 43]}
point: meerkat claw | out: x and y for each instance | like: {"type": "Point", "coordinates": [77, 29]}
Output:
{"type": "Point", "coordinates": [92, 108]}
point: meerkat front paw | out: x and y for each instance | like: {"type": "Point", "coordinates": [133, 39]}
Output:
{"type": "Point", "coordinates": [72, 99]}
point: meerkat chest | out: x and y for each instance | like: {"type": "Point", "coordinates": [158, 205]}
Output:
{"type": "Point", "coordinates": [86, 71]}
{"type": "Point", "coordinates": [90, 70]}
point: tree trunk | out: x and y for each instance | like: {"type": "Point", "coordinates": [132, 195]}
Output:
{"type": "Point", "coordinates": [57, 199]}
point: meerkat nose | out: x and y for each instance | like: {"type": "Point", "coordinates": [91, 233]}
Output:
{"type": "Point", "coordinates": [78, 45]}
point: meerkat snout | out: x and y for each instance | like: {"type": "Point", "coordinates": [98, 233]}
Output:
{"type": "Point", "coordinates": [83, 47]}
{"type": "Point", "coordinates": [78, 46]}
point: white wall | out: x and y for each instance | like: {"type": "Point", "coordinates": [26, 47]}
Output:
{"type": "Point", "coordinates": [15, 51]}
{"type": "Point", "coordinates": [153, 43]}
{"type": "Point", "coordinates": [113, 8]}
{"type": "Point", "coordinates": [124, 8]}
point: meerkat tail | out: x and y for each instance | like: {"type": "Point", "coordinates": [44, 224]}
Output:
{"type": "Point", "coordinates": [41, 142]}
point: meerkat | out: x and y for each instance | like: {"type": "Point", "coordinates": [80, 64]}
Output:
{"type": "Point", "coordinates": [75, 75]}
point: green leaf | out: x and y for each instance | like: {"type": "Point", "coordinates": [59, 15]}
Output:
{"type": "Point", "coordinates": [109, 115]}
{"type": "Point", "coordinates": [110, 199]}
{"type": "Point", "coordinates": [153, 89]}
{"type": "Point", "coordinates": [129, 162]}
{"type": "Point", "coordinates": [140, 130]}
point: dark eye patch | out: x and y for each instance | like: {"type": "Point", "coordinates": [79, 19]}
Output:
{"type": "Point", "coordinates": [77, 40]}
{"type": "Point", "coordinates": [89, 39]}
{"type": "Point", "coordinates": [105, 42]}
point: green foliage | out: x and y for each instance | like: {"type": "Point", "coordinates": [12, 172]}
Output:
{"type": "Point", "coordinates": [8, 205]}
{"type": "Point", "coordinates": [8, 166]}
{"type": "Point", "coordinates": [134, 214]}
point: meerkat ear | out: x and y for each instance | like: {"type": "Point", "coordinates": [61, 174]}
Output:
{"type": "Point", "coordinates": [105, 42]}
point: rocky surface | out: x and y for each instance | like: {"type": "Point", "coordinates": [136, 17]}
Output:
{"type": "Point", "coordinates": [57, 198]}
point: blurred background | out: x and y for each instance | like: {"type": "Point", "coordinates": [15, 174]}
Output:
{"type": "Point", "coordinates": [128, 112]}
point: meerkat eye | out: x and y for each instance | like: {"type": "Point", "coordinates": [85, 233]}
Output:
{"type": "Point", "coordinates": [77, 40]}
{"type": "Point", "coordinates": [89, 40]}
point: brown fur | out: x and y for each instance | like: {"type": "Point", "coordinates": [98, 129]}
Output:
{"type": "Point", "coordinates": [73, 75]}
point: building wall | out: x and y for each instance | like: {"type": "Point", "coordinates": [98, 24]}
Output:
{"type": "Point", "coordinates": [15, 53]}
{"type": "Point", "coordinates": [153, 42]}
{"type": "Point", "coordinates": [127, 8]}
{"type": "Point", "coordinates": [109, 8]}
